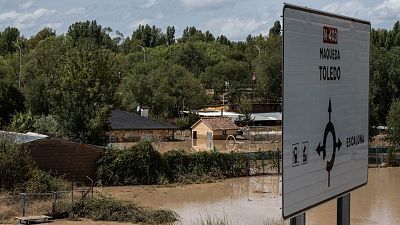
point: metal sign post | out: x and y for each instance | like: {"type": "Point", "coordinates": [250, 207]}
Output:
{"type": "Point", "coordinates": [343, 210]}
{"type": "Point", "coordinates": [298, 220]}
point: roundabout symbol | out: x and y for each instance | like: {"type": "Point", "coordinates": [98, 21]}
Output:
{"type": "Point", "coordinates": [336, 145]}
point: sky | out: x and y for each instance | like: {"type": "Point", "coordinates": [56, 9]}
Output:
{"type": "Point", "coordinates": [232, 18]}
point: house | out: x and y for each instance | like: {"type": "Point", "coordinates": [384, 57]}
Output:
{"type": "Point", "coordinates": [75, 160]}
{"type": "Point", "coordinates": [214, 128]}
{"type": "Point", "coordinates": [130, 127]}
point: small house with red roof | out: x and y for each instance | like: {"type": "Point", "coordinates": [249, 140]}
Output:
{"type": "Point", "coordinates": [214, 128]}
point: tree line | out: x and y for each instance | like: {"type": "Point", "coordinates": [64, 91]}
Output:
{"type": "Point", "coordinates": [67, 84]}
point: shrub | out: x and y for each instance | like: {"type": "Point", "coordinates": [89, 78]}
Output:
{"type": "Point", "coordinates": [18, 172]}
{"type": "Point", "coordinates": [42, 181]}
{"type": "Point", "coordinates": [140, 164]}
{"type": "Point", "coordinates": [15, 165]}
{"type": "Point", "coordinates": [47, 125]}
{"type": "Point", "coordinates": [109, 209]}
{"type": "Point", "coordinates": [392, 158]}
{"type": "Point", "coordinates": [22, 122]}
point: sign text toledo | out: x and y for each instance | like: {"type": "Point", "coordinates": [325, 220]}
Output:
{"type": "Point", "coordinates": [325, 107]}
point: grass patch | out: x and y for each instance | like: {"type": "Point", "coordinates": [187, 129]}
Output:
{"type": "Point", "coordinates": [108, 209]}
{"type": "Point", "coordinates": [215, 220]}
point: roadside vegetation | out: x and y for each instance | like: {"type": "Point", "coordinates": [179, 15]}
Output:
{"type": "Point", "coordinates": [18, 173]}
{"type": "Point", "coordinates": [108, 209]}
{"type": "Point", "coordinates": [142, 164]}
{"type": "Point", "coordinates": [215, 220]}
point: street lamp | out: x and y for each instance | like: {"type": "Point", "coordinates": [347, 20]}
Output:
{"type": "Point", "coordinates": [144, 52]}
{"type": "Point", "coordinates": [258, 48]}
{"type": "Point", "coordinates": [20, 65]}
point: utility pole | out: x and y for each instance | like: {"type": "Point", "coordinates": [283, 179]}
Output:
{"type": "Point", "coordinates": [144, 53]}
{"type": "Point", "coordinates": [20, 65]}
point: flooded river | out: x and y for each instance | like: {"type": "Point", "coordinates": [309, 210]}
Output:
{"type": "Point", "coordinates": [255, 200]}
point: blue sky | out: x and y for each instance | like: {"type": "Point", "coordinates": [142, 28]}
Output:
{"type": "Point", "coordinates": [233, 18]}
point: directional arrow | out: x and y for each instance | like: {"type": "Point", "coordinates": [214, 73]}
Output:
{"type": "Point", "coordinates": [321, 149]}
{"type": "Point", "coordinates": [329, 110]}
{"type": "Point", "coordinates": [338, 144]}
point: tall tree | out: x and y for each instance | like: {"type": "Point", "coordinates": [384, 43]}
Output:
{"type": "Point", "coordinates": [90, 31]}
{"type": "Point", "coordinates": [8, 38]}
{"type": "Point", "coordinates": [276, 29]}
{"type": "Point", "coordinates": [85, 93]}
{"type": "Point", "coordinates": [11, 102]}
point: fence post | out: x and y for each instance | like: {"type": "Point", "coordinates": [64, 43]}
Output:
{"type": "Point", "coordinates": [54, 202]}
{"type": "Point", "coordinates": [23, 203]}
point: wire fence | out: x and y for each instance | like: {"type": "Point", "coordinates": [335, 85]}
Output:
{"type": "Point", "coordinates": [54, 204]}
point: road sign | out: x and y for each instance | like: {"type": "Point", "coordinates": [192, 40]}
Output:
{"type": "Point", "coordinates": [325, 107]}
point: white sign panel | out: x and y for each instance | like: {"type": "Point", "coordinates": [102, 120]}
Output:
{"type": "Point", "coordinates": [325, 107]}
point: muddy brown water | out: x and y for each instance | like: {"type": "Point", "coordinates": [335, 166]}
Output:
{"type": "Point", "coordinates": [255, 200]}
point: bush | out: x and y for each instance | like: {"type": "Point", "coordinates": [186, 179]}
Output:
{"type": "Point", "coordinates": [47, 125]}
{"type": "Point", "coordinates": [142, 164]}
{"type": "Point", "coordinates": [22, 122]}
{"type": "Point", "coordinates": [42, 181]}
{"type": "Point", "coordinates": [18, 172]}
{"type": "Point", "coordinates": [109, 209]}
{"type": "Point", "coordinates": [15, 165]}
{"type": "Point", "coordinates": [392, 158]}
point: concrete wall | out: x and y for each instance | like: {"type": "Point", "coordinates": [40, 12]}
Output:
{"type": "Point", "coordinates": [64, 157]}
{"type": "Point", "coordinates": [137, 135]}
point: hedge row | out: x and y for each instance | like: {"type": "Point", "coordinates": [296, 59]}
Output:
{"type": "Point", "coordinates": [142, 164]}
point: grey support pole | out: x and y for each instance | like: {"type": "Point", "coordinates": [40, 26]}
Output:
{"type": "Point", "coordinates": [298, 220]}
{"type": "Point", "coordinates": [343, 210]}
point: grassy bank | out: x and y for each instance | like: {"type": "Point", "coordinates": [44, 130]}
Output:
{"type": "Point", "coordinates": [142, 164]}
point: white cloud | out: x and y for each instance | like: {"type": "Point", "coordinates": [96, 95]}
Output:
{"type": "Point", "coordinates": [236, 28]}
{"type": "Point", "coordinates": [386, 12]}
{"type": "Point", "coordinates": [206, 4]}
{"type": "Point", "coordinates": [349, 8]}
{"type": "Point", "coordinates": [136, 24]}
{"type": "Point", "coordinates": [27, 5]}
{"type": "Point", "coordinates": [149, 3]}
{"type": "Point", "coordinates": [55, 26]}
{"type": "Point", "coordinates": [35, 15]}
{"type": "Point", "coordinates": [76, 11]}
{"type": "Point", "coordinates": [11, 15]}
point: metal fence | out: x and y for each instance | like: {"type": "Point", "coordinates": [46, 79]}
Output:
{"type": "Point", "coordinates": [50, 203]}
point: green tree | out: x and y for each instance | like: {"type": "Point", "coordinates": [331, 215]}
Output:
{"type": "Point", "coordinates": [42, 72]}
{"type": "Point", "coordinates": [393, 123]}
{"type": "Point", "coordinates": [11, 101]}
{"type": "Point", "coordinates": [82, 99]}
{"type": "Point", "coordinates": [8, 37]}
{"type": "Point", "coordinates": [90, 31]}
{"type": "Point", "coordinates": [276, 29]}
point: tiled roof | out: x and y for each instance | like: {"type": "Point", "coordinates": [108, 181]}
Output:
{"type": "Point", "coordinates": [122, 120]}
{"type": "Point", "coordinates": [218, 123]}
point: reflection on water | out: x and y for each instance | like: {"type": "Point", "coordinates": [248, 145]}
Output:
{"type": "Point", "coordinates": [253, 200]}
{"type": "Point", "coordinates": [204, 145]}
